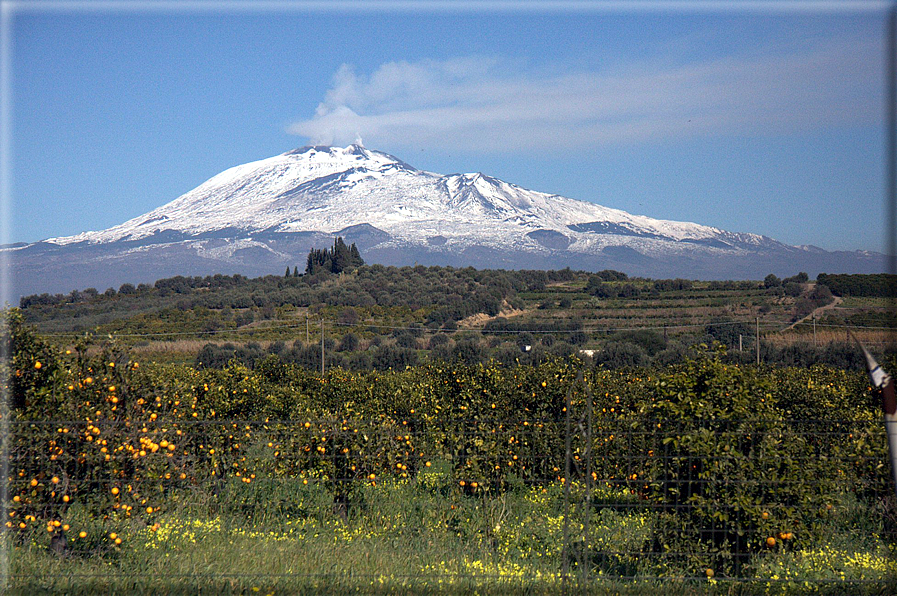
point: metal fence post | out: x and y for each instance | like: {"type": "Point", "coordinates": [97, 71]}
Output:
{"type": "Point", "coordinates": [565, 566]}
{"type": "Point", "coordinates": [587, 453]}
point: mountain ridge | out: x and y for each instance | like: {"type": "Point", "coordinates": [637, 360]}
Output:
{"type": "Point", "coordinates": [257, 216]}
{"type": "Point", "coordinates": [282, 193]}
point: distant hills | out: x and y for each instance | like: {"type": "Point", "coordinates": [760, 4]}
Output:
{"type": "Point", "coordinates": [259, 217]}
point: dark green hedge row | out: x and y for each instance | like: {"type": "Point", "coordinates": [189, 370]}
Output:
{"type": "Point", "coordinates": [882, 285]}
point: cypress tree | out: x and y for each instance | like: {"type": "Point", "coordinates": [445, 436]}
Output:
{"type": "Point", "coordinates": [355, 256]}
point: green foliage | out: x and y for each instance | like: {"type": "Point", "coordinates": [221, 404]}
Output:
{"type": "Point", "coordinates": [393, 357]}
{"type": "Point", "coordinates": [771, 281]}
{"type": "Point", "coordinates": [793, 289]}
{"type": "Point", "coordinates": [622, 354]}
{"type": "Point", "coordinates": [876, 284]}
{"type": "Point", "coordinates": [749, 454]}
{"type": "Point", "coordinates": [651, 341]}
{"type": "Point", "coordinates": [611, 275]}
{"type": "Point", "coordinates": [338, 259]}
{"type": "Point", "coordinates": [31, 365]}
{"type": "Point", "coordinates": [800, 278]}
{"type": "Point", "coordinates": [348, 343]}
{"type": "Point", "coordinates": [214, 356]}
{"type": "Point", "coordinates": [690, 456]}
{"type": "Point", "coordinates": [729, 332]}
{"type": "Point", "coordinates": [672, 285]}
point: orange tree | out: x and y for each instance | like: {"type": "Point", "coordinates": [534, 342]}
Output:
{"type": "Point", "coordinates": [733, 464]}
{"type": "Point", "coordinates": [729, 456]}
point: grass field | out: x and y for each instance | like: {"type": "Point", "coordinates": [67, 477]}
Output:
{"type": "Point", "coordinates": [419, 535]}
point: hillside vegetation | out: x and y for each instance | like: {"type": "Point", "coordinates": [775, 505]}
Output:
{"type": "Point", "coordinates": [377, 317]}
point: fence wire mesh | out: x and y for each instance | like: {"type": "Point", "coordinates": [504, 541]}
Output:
{"type": "Point", "coordinates": [575, 502]}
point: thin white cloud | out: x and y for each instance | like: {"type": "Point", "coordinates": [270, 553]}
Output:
{"type": "Point", "coordinates": [488, 105]}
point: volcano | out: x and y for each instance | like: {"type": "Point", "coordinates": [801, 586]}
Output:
{"type": "Point", "coordinates": [258, 217]}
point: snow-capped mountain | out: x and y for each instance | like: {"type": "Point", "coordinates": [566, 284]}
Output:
{"type": "Point", "coordinates": [256, 217]}
{"type": "Point", "coordinates": [327, 189]}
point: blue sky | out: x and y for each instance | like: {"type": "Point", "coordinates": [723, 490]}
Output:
{"type": "Point", "coordinates": [753, 121]}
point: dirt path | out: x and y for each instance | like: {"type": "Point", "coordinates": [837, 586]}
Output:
{"type": "Point", "coordinates": [815, 313]}
{"type": "Point", "coordinates": [480, 319]}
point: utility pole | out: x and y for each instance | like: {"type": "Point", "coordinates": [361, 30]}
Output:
{"type": "Point", "coordinates": [758, 341]}
{"type": "Point", "coordinates": [322, 347]}
{"type": "Point", "coordinates": [814, 330]}
{"type": "Point", "coordinates": [306, 328]}
{"type": "Point", "coordinates": [740, 338]}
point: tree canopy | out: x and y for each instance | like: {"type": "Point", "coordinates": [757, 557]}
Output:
{"type": "Point", "coordinates": [336, 260]}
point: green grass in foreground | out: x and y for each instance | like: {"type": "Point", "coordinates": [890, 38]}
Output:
{"type": "Point", "coordinates": [418, 536]}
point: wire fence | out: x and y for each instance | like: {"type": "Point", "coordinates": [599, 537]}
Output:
{"type": "Point", "coordinates": [573, 500]}
{"type": "Point", "coordinates": [766, 326]}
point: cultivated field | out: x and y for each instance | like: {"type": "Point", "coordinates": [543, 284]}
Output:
{"type": "Point", "coordinates": [448, 447]}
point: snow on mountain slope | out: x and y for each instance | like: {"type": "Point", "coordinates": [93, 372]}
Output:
{"type": "Point", "coordinates": [326, 189]}
{"type": "Point", "coordinates": [261, 217]}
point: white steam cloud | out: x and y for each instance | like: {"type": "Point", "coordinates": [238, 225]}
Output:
{"type": "Point", "coordinates": [481, 104]}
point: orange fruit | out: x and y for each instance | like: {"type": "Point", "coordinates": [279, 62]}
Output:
{"type": "Point", "coordinates": [770, 541]}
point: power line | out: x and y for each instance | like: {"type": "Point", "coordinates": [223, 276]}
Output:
{"type": "Point", "coordinates": [763, 325]}
{"type": "Point", "coordinates": [411, 328]}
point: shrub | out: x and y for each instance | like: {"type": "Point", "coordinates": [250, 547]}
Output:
{"type": "Point", "coordinates": [348, 316]}
{"type": "Point", "coordinates": [393, 357]}
{"type": "Point", "coordinates": [348, 343]}
{"type": "Point", "coordinates": [651, 341]}
{"type": "Point", "coordinates": [620, 354]}
{"type": "Point", "coordinates": [406, 340]}
{"type": "Point", "coordinates": [793, 289]}
{"type": "Point", "coordinates": [727, 332]}
{"type": "Point", "coordinates": [468, 352]}
{"type": "Point", "coordinates": [439, 339]}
